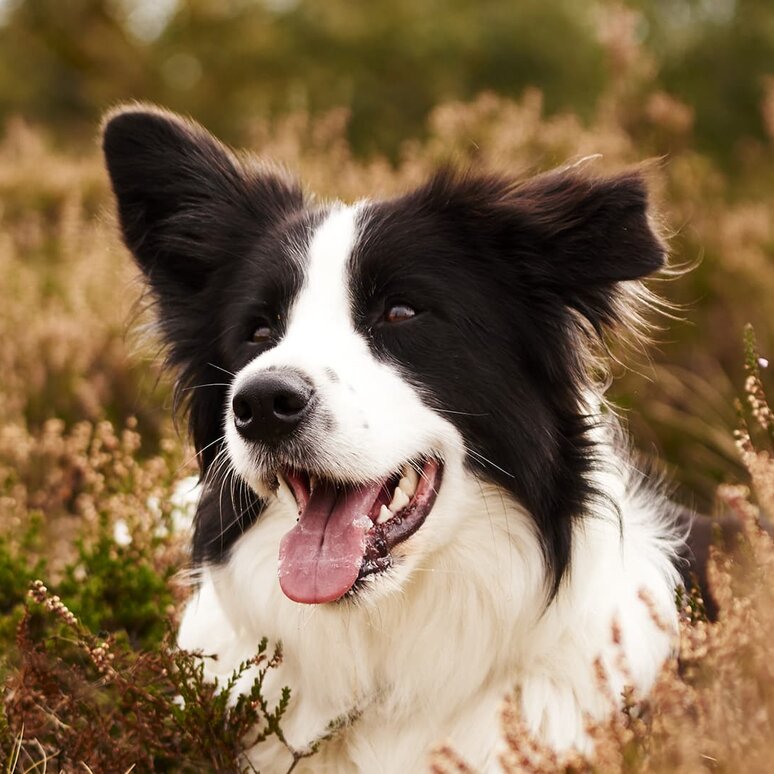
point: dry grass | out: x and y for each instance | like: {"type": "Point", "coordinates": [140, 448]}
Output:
{"type": "Point", "coordinates": [86, 441]}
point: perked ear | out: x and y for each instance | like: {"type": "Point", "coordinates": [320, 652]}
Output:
{"type": "Point", "coordinates": [185, 202]}
{"type": "Point", "coordinates": [591, 231]}
{"type": "Point", "coordinates": [562, 236]}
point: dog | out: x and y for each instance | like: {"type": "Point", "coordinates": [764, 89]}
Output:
{"type": "Point", "coordinates": [410, 475]}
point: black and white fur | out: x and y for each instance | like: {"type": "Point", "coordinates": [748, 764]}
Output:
{"type": "Point", "coordinates": [543, 533]}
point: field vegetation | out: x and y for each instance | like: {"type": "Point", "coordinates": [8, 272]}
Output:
{"type": "Point", "coordinates": [92, 544]}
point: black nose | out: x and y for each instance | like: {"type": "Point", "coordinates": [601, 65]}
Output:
{"type": "Point", "coordinates": [270, 406]}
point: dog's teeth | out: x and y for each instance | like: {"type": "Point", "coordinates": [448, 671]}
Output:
{"type": "Point", "coordinates": [312, 482]}
{"type": "Point", "coordinates": [413, 477]}
{"type": "Point", "coordinates": [385, 514]}
{"type": "Point", "coordinates": [409, 482]}
{"type": "Point", "coordinates": [399, 500]}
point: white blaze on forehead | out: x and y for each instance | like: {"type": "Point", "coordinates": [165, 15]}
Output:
{"type": "Point", "coordinates": [319, 328]}
{"type": "Point", "coordinates": [319, 332]}
{"type": "Point", "coordinates": [324, 299]}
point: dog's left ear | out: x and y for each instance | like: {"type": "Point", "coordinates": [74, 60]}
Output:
{"type": "Point", "coordinates": [589, 231]}
{"type": "Point", "coordinates": [585, 235]}
{"type": "Point", "coordinates": [562, 236]}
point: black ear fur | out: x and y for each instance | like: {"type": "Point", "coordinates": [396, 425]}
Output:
{"type": "Point", "coordinates": [564, 234]}
{"type": "Point", "coordinates": [184, 200]}
{"type": "Point", "coordinates": [593, 230]}
{"type": "Point", "coordinates": [189, 208]}
{"type": "Point", "coordinates": [590, 234]}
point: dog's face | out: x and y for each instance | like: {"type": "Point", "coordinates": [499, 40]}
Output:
{"type": "Point", "coordinates": [371, 366]}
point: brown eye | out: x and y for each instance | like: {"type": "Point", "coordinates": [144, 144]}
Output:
{"type": "Point", "coordinates": [262, 333]}
{"type": "Point", "coordinates": [398, 313]}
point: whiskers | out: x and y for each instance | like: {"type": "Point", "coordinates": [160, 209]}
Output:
{"type": "Point", "coordinates": [197, 454]}
{"type": "Point", "coordinates": [232, 489]}
{"type": "Point", "coordinates": [421, 472]}
{"type": "Point", "coordinates": [199, 386]}
{"type": "Point", "coordinates": [225, 370]}
{"type": "Point", "coordinates": [486, 461]}
{"type": "Point", "coordinates": [462, 413]}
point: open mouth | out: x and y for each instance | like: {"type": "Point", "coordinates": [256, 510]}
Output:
{"type": "Point", "coordinates": [347, 532]}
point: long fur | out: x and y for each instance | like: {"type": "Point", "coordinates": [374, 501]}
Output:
{"type": "Point", "coordinates": [529, 572]}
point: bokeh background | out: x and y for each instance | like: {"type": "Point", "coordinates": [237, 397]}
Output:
{"type": "Point", "coordinates": [366, 97]}
{"type": "Point", "coordinates": [358, 98]}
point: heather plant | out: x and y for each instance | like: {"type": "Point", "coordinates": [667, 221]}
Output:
{"type": "Point", "coordinates": [93, 681]}
{"type": "Point", "coordinates": [87, 701]}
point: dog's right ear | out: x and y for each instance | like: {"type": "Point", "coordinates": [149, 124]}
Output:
{"type": "Point", "coordinates": [186, 204]}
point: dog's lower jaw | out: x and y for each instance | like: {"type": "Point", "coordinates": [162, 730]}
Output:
{"type": "Point", "coordinates": [428, 654]}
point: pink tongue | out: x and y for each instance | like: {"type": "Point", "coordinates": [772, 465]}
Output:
{"type": "Point", "coordinates": [320, 558]}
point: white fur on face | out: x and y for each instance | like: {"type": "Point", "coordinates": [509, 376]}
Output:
{"type": "Point", "coordinates": [377, 420]}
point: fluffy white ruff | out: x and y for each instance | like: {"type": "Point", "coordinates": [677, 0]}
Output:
{"type": "Point", "coordinates": [433, 661]}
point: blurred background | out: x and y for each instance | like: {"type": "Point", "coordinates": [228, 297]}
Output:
{"type": "Point", "coordinates": [367, 98]}
{"type": "Point", "coordinates": [357, 98]}
{"type": "Point", "coordinates": [228, 62]}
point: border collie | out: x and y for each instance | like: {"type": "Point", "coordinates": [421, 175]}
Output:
{"type": "Point", "coordinates": [411, 478]}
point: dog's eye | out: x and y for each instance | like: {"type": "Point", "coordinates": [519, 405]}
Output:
{"type": "Point", "coordinates": [398, 313]}
{"type": "Point", "coordinates": [262, 333]}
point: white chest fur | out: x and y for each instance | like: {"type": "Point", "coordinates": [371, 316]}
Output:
{"type": "Point", "coordinates": [432, 662]}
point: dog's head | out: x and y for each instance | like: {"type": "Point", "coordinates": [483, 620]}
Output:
{"type": "Point", "coordinates": [371, 365]}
